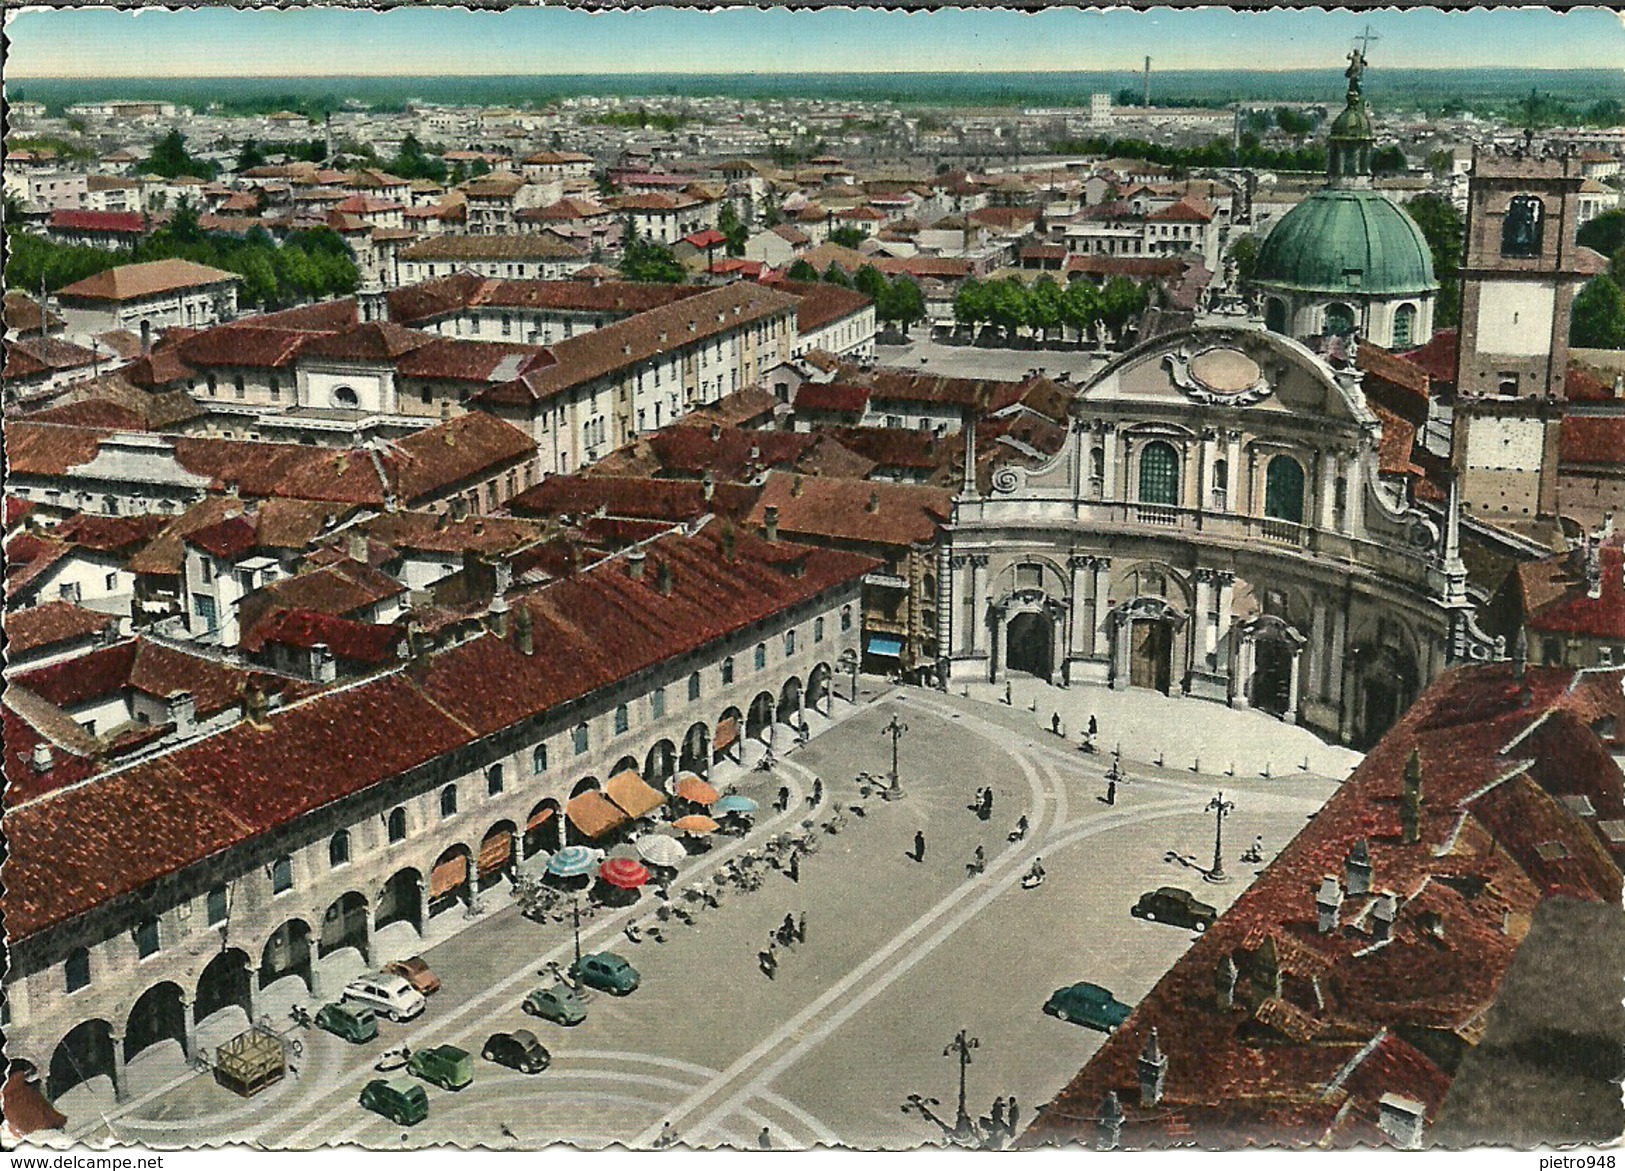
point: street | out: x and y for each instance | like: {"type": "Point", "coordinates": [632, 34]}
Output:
{"type": "Point", "coordinates": [899, 956]}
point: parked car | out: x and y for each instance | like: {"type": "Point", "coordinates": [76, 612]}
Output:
{"type": "Point", "coordinates": [402, 1102]}
{"type": "Point", "coordinates": [446, 1066]}
{"type": "Point", "coordinates": [558, 1004]}
{"type": "Point", "coordinates": [1087, 1004]}
{"type": "Point", "coordinates": [386, 994]}
{"type": "Point", "coordinates": [356, 1023]}
{"type": "Point", "coordinates": [607, 972]}
{"type": "Point", "coordinates": [416, 973]}
{"type": "Point", "coordinates": [1169, 904]}
{"type": "Point", "coordinates": [517, 1050]}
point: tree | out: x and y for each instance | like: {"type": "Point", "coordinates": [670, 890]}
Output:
{"type": "Point", "coordinates": [1389, 160]}
{"type": "Point", "coordinates": [1009, 305]}
{"type": "Point", "coordinates": [1080, 307]}
{"type": "Point", "coordinates": [1445, 232]}
{"type": "Point", "coordinates": [730, 225]}
{"type": "Point", "coordinates": [836, 275]}
{"type": "Point", "coordinates": [171, 160]}
{"type": "Point", "coordinates": [904, 303]}
{"type": "Point", "coordinates": [1440, 162]}
{"type": "Point", "coordinates": [1121, 301]}
{"type": "Point", "coordinates": [1292, 122]}
{"type": "Point", "coordinates": [802, 271]}
{"type": "Point", "coordinates": [1044, 306]}
{"type": "Point", "coordinates": [847, 236]}
{"type": "Point", "coordinates": [1605, 233]}
{"type": "Point", "coordinates": [1244, 255]}
{"type": "Point", "coordinates": [249, 156]}
{"type": "Point", "coordinates": [651, 262]}
{"type": "Point", "coordinates": [972, 303]}
{"type": "Point", "coordinates": [872, 283]}
{"type": "Point", "coordinates": [413, 162]}
{"type": "Point", "coordinates": [1598, 318]}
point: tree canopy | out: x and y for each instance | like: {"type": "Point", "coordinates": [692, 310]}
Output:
{"type": "Point", "coordinates": [1446, 232]}
{"type": "Point", "coordinates": [1598, 317]}
{"type": "Point", "coordinates": [650, 261]}
{"type": "Point", "coordinates": [171, 160]}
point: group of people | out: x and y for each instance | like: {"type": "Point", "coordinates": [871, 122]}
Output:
{"type": "Point", "coordinates": [786, 935]}
{"type": "Point", "coordinates": [982, 806]}
{"type": "Point", "coordinates": [1000, 1124]}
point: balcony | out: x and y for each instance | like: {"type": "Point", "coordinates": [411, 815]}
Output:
{"type": "Point", "coordinates": [1162, 515]}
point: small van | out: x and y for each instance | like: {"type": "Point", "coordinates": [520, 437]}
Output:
{"type": "Point", "coordinates": [446, 1066]}
{"type": "Point", "coordinates": [401, 1101]}
{"type": "Point", "coordinates": [389, 995]}
{"type": "Point", "coordinates": [354, 1022]}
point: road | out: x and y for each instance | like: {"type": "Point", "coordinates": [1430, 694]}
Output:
{"type": "Point", "coordinates": [900, 954]}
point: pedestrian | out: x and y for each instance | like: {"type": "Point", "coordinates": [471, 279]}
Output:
{"type": "Point", "coordinates": [788, 930]}
{"type": "Point", "coordinates": [795, 866]}
{"type": "Point", "coordinates": [818, 791]}
{"type": "Point", "coordinates": [1093, 727]}
{"type": "Point", "coordinates": [919, 845]}
{"type": "Point", "coordinates": [784, 798]}
{"type": "Point", "coordinates": [1010, 1116]}
{"type": "Point", "coordinates": [1055, 723]}
{"type": "Point", "coordinates": [998, 1114]}
{"type": "Point", "coordinates": [801, 927]}
{"type": "Point", "coordinates": [765, 961]}
{"type": "Point", "coordinates": [1008, 695]}
{"type": "Point", "coordinates": [764, 1141]}
{"type": "Point", "coordinates": [987, 803]}
{"type": "Point", "coordinates": [1111, 791]}
{"type": "Point", "coordinates": [981, 859]}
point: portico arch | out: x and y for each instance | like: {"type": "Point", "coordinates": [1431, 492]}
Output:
{"type": "Point", "coordinates": [730, 731]}
{"type": "Point", "coordinates": [400, 900]}
{"type": "Point", "coordinates": [224, 984]}
{"type": "Point", "coordinates": [1027, 637]}
{"type": "Point", "coordinates": [660, 765]}
{"type": "Point", "coordinates": [450, 879]}
{"type": "Point", "coordinates": [760, 719]}
{"type": "Point", "coordinates": [790, 702]}
{"type": "Point", "coordinates": [344, 924]}
{"type": "Point", "coordinates": [495, 858]}
{"type": "Point", "coordinates": [1385, 682]}
{"type": "Point", "coordinates": [696, 755]}
{"type": "Point", "coordinates": [86, 1052]}
{"type": "Point", "coordinates": [818, 688]}
{"type": "Point", "coordinates": [1269, 650]}
{"type": "Point", "coordinates": [286, 953]}
{"type": "Point", "coordinates": [159, 1015]}
{"type": "Point", "coordinates": [1142, 638]}
{"type": "Point", "coordinates": [542, 828]}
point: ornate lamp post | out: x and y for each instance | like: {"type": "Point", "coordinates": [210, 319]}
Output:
{"type": "Point", "coordinates": [1221, 809]}
{"type": "Point", "coordinates": [895, 730]}
{"type": "Point", "coordinates": [962, 1046]}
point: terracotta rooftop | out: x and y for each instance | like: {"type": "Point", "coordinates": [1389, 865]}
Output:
{"type": "Point", "coordinates": [454, 294]}
{"type": "Point", "coordinates": [633, 497]}
{"type": "Point", "coordinates": [52, 623]}
{"type": "Point", "coordinates": [132, 282]}
{"type": "Point", "coordinates": [530, 246]}
{"type": "Point", "coordinates": [860, 512]}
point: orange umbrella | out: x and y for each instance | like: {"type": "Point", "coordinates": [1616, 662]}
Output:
{"type": "Point", "coordinates": [695, 823]}
{"type": "Point", "coordinates": [692, 788]}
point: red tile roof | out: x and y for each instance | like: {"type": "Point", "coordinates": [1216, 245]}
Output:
{"type": "Point", "coordinates": [430, 463]}
{"type": "Point", "coordinates": [131, 223]}
{"type": "Point", "coordinates": [1438, 356]}
{"type": "Point", "coordinates": [832, 396]}
{"type": "Point", "coordinates": [454, 294]}
{"type": "Point", "coordinates": [51, 623]}
{"type": "Point", "coordinates": [1593, 439]}
{"type": "Point", "coordinates": [228, 538]}
{"type": "Point", "coordinates": [861, 512]}
{"type": "Point", "coordinates": [636, 497]}
{"type": "Point", "coordinates": [132, 282]}
{"type": "Point", "coordinates": [709, 238]}
{"type": "Point", "coordinates": [76, 848]}
{"type": "Point", "coordinates": [1557, 597]}
{"type": "Point", "coordinates": [358, 642]}
{"type": "Point", "coordinates": [822, 304]}
{"type": "Point", "coordinates": [1582, 386]}
{"type": "Point", "coordinates": [49, 449]}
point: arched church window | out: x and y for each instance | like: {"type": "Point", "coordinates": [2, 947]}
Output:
{"type": "Point", "coordinates": [1159, 473]}
{"type": "Point", "coordinates": [1404, 326]}
{"type": "Point", "coordinates": [1221, 483]}
{"type": "Point", "coordinates": [1523, 226]}
{"type": "Point", "coordinates": [1339, 320]}
{"type": "Point", "coordinates": [1283, 490]}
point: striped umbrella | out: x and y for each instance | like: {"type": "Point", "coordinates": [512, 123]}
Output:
{"type": "Point", "coordinates": [624, 873]}
{"type": "Point", "coordinates": [573, 861]}
{"type": "Point", "coordinates": [659, 850]}
{"type": "Point", "coordinates": [734, 803]}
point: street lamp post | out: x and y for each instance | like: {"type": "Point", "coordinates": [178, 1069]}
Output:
{"type": "Point", "coordinates": [895, 730]}
{"type": "Point", "coordinates": [1221, 809]}
{"type": "Point", "coordinates": [962, 1045]}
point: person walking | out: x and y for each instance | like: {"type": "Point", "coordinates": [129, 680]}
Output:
{"type": "Point", "coordinates": [1009, 697]}
{"type": "Point", "coordinates": [787, 930]}
{"type": "Point", "coordinates": [1111, 790]}
{"type": "Point", "coordinates": [801, 927]}
{"type": "Point", "coordinates": [919, 845]}
{"type": "Point", "coordinates": [794, 870]}
{"type": "Point", "coordinates": [817, 791]}
{"type": "Point", "coordinates": [1055, 723]}
{"type": "Point", "coordinates": [1094, 728]}
{"type": "Point", "coordinates": [783, 802]}
{"type": "Point", "coordinates": [764, 1141]}
{"type": "Point", "coordinates": [986, 811]}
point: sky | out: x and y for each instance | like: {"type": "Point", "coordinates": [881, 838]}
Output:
{"type": "Point", "coordinates": [456, 41]}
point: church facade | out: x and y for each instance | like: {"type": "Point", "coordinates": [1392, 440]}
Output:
{"type": "Point", "coordinates": [1215, 527]}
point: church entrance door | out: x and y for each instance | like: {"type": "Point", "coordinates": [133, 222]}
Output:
{"type": "Point", "coordinates": [1150, 649]}
{"type": "Point", "coordinates": [1030, 640]}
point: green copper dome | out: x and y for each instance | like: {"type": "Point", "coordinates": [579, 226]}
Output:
{"type": "Point", "coordinates": [1347, 241]}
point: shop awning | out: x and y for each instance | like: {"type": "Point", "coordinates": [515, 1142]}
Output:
{"type": "Point", "coordinates": [540, 817]}
{"type": "Point", "coordinates": [495, 852]}
{"type": "Point", "coordinates": [629, 792]}
{"type": "Point", "coordinates": [594, 814]}
{"type": "Point", "coordinates": [448, 875]}
{"type": "Point", "coordinates": [692, 788]}
{"type": "Point", "coordinates": [727, 734]}
{"type": "Point", "coordinates": [886, 647]}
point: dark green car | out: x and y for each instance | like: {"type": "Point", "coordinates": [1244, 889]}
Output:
{"type": "Point", "coordinates": [1087, 1004]}
{"type": "Point", "coordinates": [446, 1066]}
{"type": "Point", "coordinates": [607, 972]}
{"type": "Point", "coordinates": [356, 1023]}
{"type": "Point", "coordinates": [402, 1102]}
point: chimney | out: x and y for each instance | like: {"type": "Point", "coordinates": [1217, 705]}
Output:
{"type": "Point", "coordinates": [503, 572]}
{"type": "Point", "coordinates": [1594, 568]}
{"type": "Point", "coordinates": [358, 548]}
{"type": "Point", "coordinates": [523, 631]}
{"type": "Point", "coordinates": [874, 501]}
{"type": "Point", "coordinates": [497, 613]}
{"type": "Point", "coordinates": [1357, 869]}
{"type": "Point", "coordinates": [708, 485]}
{"type": "Point", "coordinates": [1328, 902]}
{"type": "Point", "coordinates": [716, 432]}
{"type": "Point", "coordinates": [1401, 1120]}
{"type": "Point", "coordinates": [146, 337]}
{"type": "Point", "coordinates": [665, 579]}
{"type": "Point", "coordinates": [1383, 915]}
{"type": "Point", "coordinates": [795, 484]}
{"type": "Point", "coordinates": [43, 758]}
{"type": "Point", "coordinates": [1410, 802]}
{"type": "Point", "coordinates": [770, 522]}
{"type": "Point", "coordinates": [1224, 982]}
{"type": "Point", "coordinates": [324, 667]}
{"type": "Point", "coordinates": [1520, 655]}
{"type": "Point", "coordinates": [634, 564]}
{"type": "Point", "coordinates": [755, 452]}
{"type": "Point", "coordinates": [1153, 1067]}
{"type": "Point", "coordinates": [1110, 1122]}
{"type": "Point", "coordinates": [180, 709]}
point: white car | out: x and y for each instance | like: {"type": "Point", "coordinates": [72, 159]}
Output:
{"type": "Point", "coordinates": [391, 996]}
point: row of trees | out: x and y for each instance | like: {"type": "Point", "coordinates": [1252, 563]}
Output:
{"type": "Point", "coordinates": [1218, 152]}
{"type": "Point", "coordinates": [1011, 306]}
{"type": "Point", "coordinates": [305, 266]}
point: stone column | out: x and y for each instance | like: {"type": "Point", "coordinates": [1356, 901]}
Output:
{"type": "Point", "coordinates": [1243, 682]}
{"type": "Point", "coordinates": [189, 1015]}
{"type": "Point", "coordinates": [1210, 453]}
{"type": "Point", "coordinates": [976, 603]}
{"type": "Point", "coordinates": [1318, 656]}
{"type": "Point", "coordinates": [1109, 442]}
{"type": "Point", "coordinates": [252, 984]}
{"type": "Point", "coordinates": [1102, 605]}
{"type": "Point", "coordinates": [996, 652]}
{"type": "Point", "coordinates": [1328, 490]}
{"type": "Point", "coordinates": [1334, 658]}
{"type": "Point", "coordinates": [1203, 635]}
{"type": "Point", "coordinates": [121, 1084]}
{"type": "Point", "coordinates": [1291, 713]}
{"type": "Point", "coordinates": [1232, 487]}
{"type": "Point", "coordinates": [1081, 621]}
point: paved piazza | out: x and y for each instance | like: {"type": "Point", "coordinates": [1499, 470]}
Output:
{"type": "Point", "coordinates": [899, 956]}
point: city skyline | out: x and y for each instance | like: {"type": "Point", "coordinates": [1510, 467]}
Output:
{"type": "Point", "coordinates": [93, 44]}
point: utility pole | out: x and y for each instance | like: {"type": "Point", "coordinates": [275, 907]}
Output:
{"type": "Point", "coordinates": [1221, 809]}
{"type": "Point", "coordinates": [895, 730]}
{"type": "Point", "coordinates": [962, 1046]}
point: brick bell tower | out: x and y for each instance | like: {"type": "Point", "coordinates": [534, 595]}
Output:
{"type": "Point", "coordinates": [1519, 279]}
